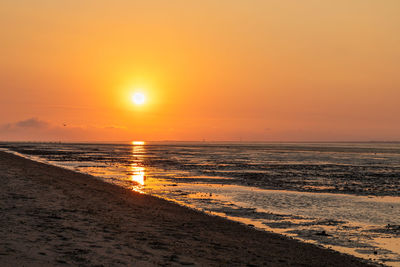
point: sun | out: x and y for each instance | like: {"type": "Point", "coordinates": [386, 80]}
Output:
{"type": "Point", "coordinates": [138, 98]}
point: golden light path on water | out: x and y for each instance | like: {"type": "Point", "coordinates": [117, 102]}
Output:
{"type": "Point", "coordinates": [138, 172]}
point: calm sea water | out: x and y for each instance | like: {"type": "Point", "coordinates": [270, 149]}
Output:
{"type": "Point", "coordinates": [345, 196]}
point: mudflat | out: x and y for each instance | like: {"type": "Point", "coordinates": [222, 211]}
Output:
{"type": "Point", "coordinates": [51, 216]}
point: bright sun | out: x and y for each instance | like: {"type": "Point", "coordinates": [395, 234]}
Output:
{"type": "Point", "coordinates": [138, 98]}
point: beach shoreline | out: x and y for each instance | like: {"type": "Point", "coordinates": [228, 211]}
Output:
{"type": "Point", "coordinates": [53, 216]}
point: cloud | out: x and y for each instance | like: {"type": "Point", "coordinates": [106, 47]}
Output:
{"type": "Point", "coordinates": [31, 123]}
{"type": "Point", "coordinates": [28, 124]}
{"type": "Point", "coordinates": [35, 129]}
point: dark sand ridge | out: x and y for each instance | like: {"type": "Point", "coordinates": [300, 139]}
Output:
{"type": "Point", "coordinates": [52, 216]}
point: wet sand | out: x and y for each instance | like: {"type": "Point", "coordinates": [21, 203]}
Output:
{"type": "Point", "coordinates": [53, 217]}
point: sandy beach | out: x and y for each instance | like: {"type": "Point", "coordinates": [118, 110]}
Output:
{"type": "Point", "coordinates": [53, 217]}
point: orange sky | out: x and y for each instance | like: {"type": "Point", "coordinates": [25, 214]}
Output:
{"type": "Point", "coordinates": [256, 70]}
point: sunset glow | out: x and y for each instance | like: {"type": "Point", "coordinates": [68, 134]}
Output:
{"type": "Point", "coordinates": [259, 71]}
{"type": "Point", "coordinates": [244, 110]}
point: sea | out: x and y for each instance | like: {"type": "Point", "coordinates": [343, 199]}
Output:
{"type": "Point", "coordinates": [342, 196]}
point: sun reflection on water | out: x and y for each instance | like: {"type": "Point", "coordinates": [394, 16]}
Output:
{"type": "Point", "coordinates": [138, 175]}
{"type": "Point", "coordinates": [138, 172]}
{"type": "Point", "coordinates": [138, 143]}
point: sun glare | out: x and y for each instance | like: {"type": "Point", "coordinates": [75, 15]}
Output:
{"type": "Point", "coordinates": [138, 98]}
{"type": "Point", "coordinates": [138, 143]}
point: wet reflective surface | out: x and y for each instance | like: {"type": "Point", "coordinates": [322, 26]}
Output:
{"type": "Point", "coordinates": [138, 173]}
{"type": "Point", "coordinates": [342, 195]}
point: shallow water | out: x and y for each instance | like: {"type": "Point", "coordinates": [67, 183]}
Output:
{"type": "Point", "coordinates": [340, 195]}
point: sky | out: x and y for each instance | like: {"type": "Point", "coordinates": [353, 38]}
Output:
{"type": "Point", "coordinates": [227, 70]}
